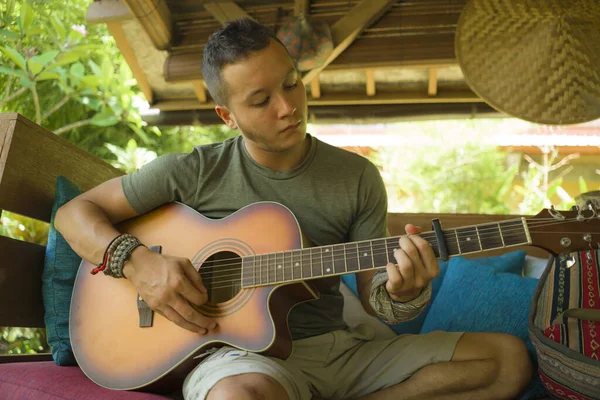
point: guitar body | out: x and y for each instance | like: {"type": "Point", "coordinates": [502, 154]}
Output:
{"type": "Point", "coordinates": [116, 352]}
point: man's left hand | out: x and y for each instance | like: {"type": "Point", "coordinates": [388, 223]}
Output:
{"type": "Point", "coordinates": [416, 266]}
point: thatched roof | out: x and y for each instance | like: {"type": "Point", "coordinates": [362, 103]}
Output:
{"type": "Point", "coordinates": [396, 57]}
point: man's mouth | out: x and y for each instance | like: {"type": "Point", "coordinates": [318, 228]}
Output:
{"type": "Point", "coordinates": [293, 126]}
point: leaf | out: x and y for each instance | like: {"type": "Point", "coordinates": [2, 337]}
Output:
{"type": "Point", "coordinates": [107, 71]}
{"type": "Point", "coordinates": [74, 37]}
{"type": "Point", "coordinates": [104, 118]}
{"type": "Point", "coordinates": [91, 81]}
{"type": "Point", "coordinates": [140, 132]}
{"type": "Point", "coordinates": [26, 82]}
{"type": "Point", "coordinates": [35, 31]}
{"type": "Point", "coordinates": [44, 76]}
{"type": "Point", "coordinates": [58, 26]}
{"type": "Point", "coordinates": [10, 71]}
{"type": "Point", "coordinates": [34, 66]}
{"type": "Point", "coordinates": [66, 58]}
{"type": "Point", "coordinates": [77, 70]}
{"type": "Point", "coordinates": [46, 57]}
{"type": "Point", "coordinates": [95, 68]}
{"type": "Point", "coordinates": [14, 56]}
{"type": "Point", "coordinates": [8, 34]}
{"type": "Point", "coordinates": [26, 17]}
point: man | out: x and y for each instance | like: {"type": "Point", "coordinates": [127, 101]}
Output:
{"type": "Point", "coordinates": [337, 196]}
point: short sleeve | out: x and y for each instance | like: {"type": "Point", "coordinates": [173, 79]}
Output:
{"type": "Point", "coordinates": [370, 221]}
{"type": "Point", "coordinates": [171, 177]}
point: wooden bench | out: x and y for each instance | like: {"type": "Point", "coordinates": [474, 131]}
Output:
{"type": "Point", "coordinates": [31, 158]}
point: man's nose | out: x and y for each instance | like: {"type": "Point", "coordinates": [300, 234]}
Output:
{"type": "Point", "coordinates": [285, 106]}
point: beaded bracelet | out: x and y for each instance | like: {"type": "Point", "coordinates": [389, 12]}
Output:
{"type": "Point", "coordinates": [117, 253]}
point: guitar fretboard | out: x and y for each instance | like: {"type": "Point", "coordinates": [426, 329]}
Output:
{"type": "Point", "coordinates": [346, 258]}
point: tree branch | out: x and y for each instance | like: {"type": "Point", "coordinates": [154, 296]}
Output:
{"type": "Point", "coordinates": [74, 125]}
{"type": "Point", "coordinates": [564, 161]}
{"type": "Point", "coordinates": [36, 102]}
{"type": "Point", "coordinates": [56, 107]}
{"type": "Point", "coordinates": [12, 96]}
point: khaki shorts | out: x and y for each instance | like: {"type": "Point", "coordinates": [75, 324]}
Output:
{"type": "Point", "coordinates": [336, 365]}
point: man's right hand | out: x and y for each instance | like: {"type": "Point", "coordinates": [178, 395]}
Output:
{"type": "Point", "coordinates": [170, 286]}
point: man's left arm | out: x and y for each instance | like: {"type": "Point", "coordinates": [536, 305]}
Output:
{"type": "Point", "coordinates": [405, 284]}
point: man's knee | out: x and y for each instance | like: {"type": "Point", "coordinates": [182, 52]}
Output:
{"type": "Point", "coordinates": [247, 387]}
{"type": "Point", "coordinates": [507, 351]}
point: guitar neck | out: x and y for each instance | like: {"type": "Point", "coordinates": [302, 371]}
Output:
{"type": "Point", "coordinates": [339, 259]}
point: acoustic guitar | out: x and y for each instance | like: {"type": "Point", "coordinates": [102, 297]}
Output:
{"type": "Point", "coordinates": [255, 269]}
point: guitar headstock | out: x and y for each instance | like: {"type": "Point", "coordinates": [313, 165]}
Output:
{"type": "Point", "coordinates": [564, 231]}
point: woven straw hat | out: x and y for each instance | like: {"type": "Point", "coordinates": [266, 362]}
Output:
{"type": "Point", "coordinates": [538, 60]}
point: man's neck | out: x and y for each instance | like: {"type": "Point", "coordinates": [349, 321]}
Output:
{"type": "Point", "coordinates": [280, 161]}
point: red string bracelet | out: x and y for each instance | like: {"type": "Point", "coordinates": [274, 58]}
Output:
{"type": "Point", "coordinates": [102, 266]}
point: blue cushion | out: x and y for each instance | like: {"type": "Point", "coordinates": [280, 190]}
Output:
{"type": "Point", "coordinates": [510, 262]}
{"type": "Point", "coordinates": [60, 268]}
{"type": "Point", "coordinates": [485, 295]}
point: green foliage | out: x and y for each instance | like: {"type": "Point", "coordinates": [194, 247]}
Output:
{"type": "Point", "coordinates": [22, 228]}
{"type": "Point", "coordinates": [23, 341]}
{"type": "Point", "coordinates": [436, 175]}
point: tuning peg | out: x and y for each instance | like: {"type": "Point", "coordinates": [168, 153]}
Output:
{"type": "Point", "coordinates": [556, 214]}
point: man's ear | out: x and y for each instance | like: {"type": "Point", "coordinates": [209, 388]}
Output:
{"type": "Point", "coordinates": [227, 117]}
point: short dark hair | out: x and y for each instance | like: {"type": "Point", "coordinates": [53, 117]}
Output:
{"type": "Point", "coordinates": [231, 44]}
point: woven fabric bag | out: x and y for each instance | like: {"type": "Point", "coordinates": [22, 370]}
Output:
{"type": "Point", "coordinates": [564, 326]}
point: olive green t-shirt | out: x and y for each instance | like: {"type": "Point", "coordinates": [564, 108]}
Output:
{"type": "Point", "coordinates": [337, 196]}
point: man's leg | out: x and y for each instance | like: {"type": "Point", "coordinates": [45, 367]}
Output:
{"type": "Point", "coordinates": [483, 366]}
{"type": "Point", "coordinates": [250, 386]}
{"type": "Point", "coordinates": [236, 374]}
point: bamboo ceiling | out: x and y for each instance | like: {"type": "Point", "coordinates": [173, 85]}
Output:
{"type": "Point", "coordinates": [386, 52]}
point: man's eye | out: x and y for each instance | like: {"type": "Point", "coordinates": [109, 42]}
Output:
{"type": "Point", "coordinates": [264, 103]}
{"type": "Point", "coordinates": [290, 87]}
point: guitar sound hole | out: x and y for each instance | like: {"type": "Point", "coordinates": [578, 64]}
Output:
{"type": "Point", "coordinates": [222, 276]}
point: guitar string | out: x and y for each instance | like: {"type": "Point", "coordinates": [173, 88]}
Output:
{"type": "Point", "coordinates": [507, 234]}
{"type": "Point", "coordinates": [268, 274]}
{"type": "Point", "coordinates": [307, 258]}
{"type": "Point", "coordinates": [266, 271]}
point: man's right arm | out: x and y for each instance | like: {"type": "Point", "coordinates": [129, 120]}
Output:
{"type": "Point", "coordinates": [169, 285]}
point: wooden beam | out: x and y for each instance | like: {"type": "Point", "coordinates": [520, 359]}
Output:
{"type": "Point", "coordinates": [459, 96]}
{"type": "Point", "coordinates": [315, 88]}
{"type": "Point", "coordinates": [302, 7]}
{"type": "Point", "coordinates": [117, 32]}
{"type": "Point", "coordinates": [155, 17]}
{"type": "Point", "coordinates": [199, 88]}
{"type": "Point", "coordinates": [345, 30]}
{"type": "Point", "coordinates": [433, 82]}
{"type": "Point", "coordinates": [370, 82]}
{"type": "Point", "coordinates": [107, 11]}
{"type": "Point", "coordinates": [224, 12]}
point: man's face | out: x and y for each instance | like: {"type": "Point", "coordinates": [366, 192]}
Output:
{"type": "Point", "coordinates": [266, 100]}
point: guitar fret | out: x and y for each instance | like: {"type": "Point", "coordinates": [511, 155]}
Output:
{"type": "Point", "coordinates": [287, 266]}
{"type": "Point", "coordinates": [468, 242]}
{"type": "Point", "coordinates": [351, 252]}
{"type": "Point", "coordinates": [478, 238]}
{"type": "Point", "coordinates": [379, 252]}
{"type": "Point", "coordinates": [365, 258]}
{"type": "Point", "coordinates": [296, 264]}
{"type": "Point", "coordinates": [491, 236]}
{"type": "Point", "coordinates": [306, 265]}
{"type": "Point", "coordinates": [272, 272]}
{"type": "Point", "coordinates": [501, 238]}
{"type": "Point", "coordinates": [515, 232]}
{"type": "Point", "coordinates": [315, 262]}
{"type": "Point", "coordinates": [327, 259]}
{"type": "Point", "coordinates": [339, 263]}
{"type": "Point", "coordinates": [457, 241]}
